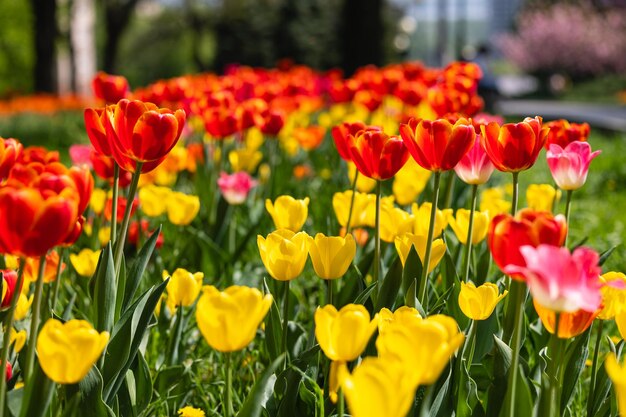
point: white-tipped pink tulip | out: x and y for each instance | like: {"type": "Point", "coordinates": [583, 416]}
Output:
{"type": "Point", "coordinates": [569, 166]}
{"type": "Point", "coordinates": [475, 167]}
{"type": "Point", "coordinates": [560, 280]}
{"type": "Point", "coordinates": [235, 187]}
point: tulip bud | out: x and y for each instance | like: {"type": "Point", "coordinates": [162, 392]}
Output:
{"type": "Point", "coordinates": [460, 225]}
{"type": "Point", "coordinates": [331, 255]}
{"type": "Point", "coordinates": [182, 208]}
{"type": "Point", "coordinates": [478, 303]}
{"type": "Point", "coordinates": [284, 253]}
{"type": "Point", "coordinates": [183, 288]}
{"type": "Point", "coordinates": [404, 242]}
{"type": "Point", "coordinates": [287, 212]}
{"type": "Point", "coordinates": [85, 262]}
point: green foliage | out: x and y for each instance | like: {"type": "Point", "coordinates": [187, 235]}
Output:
{"type": "Point", "coordinates": [16, 50]}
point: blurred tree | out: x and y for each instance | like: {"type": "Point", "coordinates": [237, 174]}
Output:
{"type": "Point", "coordinates": [45, 28]}
{"type": "Point", "coordinates": [361, 34]}
{"type": "Point", "coordinates": [117, 14]}
{"type": "Point", "coordinates": [16, 57]}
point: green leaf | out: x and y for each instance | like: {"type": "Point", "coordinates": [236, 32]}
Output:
{"type": "Point", "coordinates": [273, 328]}
{"type": "Point", "coordinates": [261, 391]}
{"type": "Point", "coordinates": [37, 394]}
{"type": "Point", "coordinates": [501, 365]}
{"type": "Point", "coordinates": [137, 269]}
{"type": "Point", "coordinates": [390, 286]}
{"type": "Point", "coordinates": [365, 294]}
{"type": "Point", "coordinates": [411, 274]}
{"type": "Point", "coordinates": [104, 291]}
{"type": "Point", "coordinates": [604, 256]}
{"type": "Point", "coordinates": [574, 365]}
{"type": "Point", "coordinates": [482, 268]}
{"type": "Point", "coordinates": [143, 382]}
{"type": "Point", "coordinates": [89, 389]}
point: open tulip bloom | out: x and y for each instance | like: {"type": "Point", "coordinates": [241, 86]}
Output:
{"type": "Point", "coordinates": [569, 166]}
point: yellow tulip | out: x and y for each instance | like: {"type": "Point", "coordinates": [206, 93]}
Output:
{"type": "Point", "coordinates": [331, 255]}
{"type": "Point", "coordinates": [98, 200]}
{"type": "Point", "coordinates": [493, 201]}
{"type": "Point", "coordinates": [287, 212]}
{"type": "Point", "coordinates": [104, 235]}
{"type": "Point", "coordinates": [541, 196]}
{"type": "Point", "coordinates": [620, 320]}
{"type": "Point", "coordinates": [19, 338]}
{"type": "Point", "coordinates": [254, 138]}
{"type": "Point", "coordinates": [23, 305]}
{"type": "Point", "coordinates": [394, 222]}
{"type": "Point", "coordinates": [378, 387]}
{"type": "Point", "coordinates": [422, 219]}
{"type": "Point", "coordinates": [153, 200]}
{"type": "Point", "coordinates": [182, 208]}
{"type": "Point", "coordinates": [343, 334]}
{"type": "Point", "coordinates": [403, 314]}
{"type": "Point", "coordinates": [228, 320]}
{"type": "Point", "coordinates": [423, 346]}
{"type": "Point", "coordinates": [284, 253]}
{"type": "Point", "coordinates": [478, 303]}
{"type": "Point", "coordinates": [363, 183]}
{"type": "Point", "coordinates": [11, 262]}
{"type": "Point", "coordinates": [5, 288]}
{"type": "Point", "coordinates": [409, 182]}
{"type": "Point", "coordinates": [460, 225]}
{"type": "Point", "coordinates": [85, 262]}
{"type": "Point", "coordinates": [183, 288]}
{"type": "Point", "coordinates": [244, 159]}
{"type": "Point", "coordinates": [190, 412]}
{"type": "Point", "coordinates": [370, 211]}
{"type": "Point", "coordinates": [617, 373]}
{"type": "Point", "coordinates": [341, 205]}
{"type": "Point", "coordinates": [67, 351]}
{"type": "Point", "coordinates": [403, 246]}
{"type": "Point", "coordinates": [613, 299]}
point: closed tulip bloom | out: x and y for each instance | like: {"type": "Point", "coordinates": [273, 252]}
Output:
{"type": "Point", "coordinates": [475, 167]}
{"type": "Point", "coordinates": [9, 280]}
{"type": "Point", "coordinates": [613, 296]}
{"type": "Point", "coordinates": [10, 151]}
{"type": "Point", "coordinates": [394, 222]}
{"type": "Point", "coordinates": [560, 280]}
{"type": "Point", "coordinates": [617, 374]}
{"type": "Point", "coordinates": [423, 346]}
{"type": "Point", "coordinates": [18, 339]}
{"type": "Point", "coordinates": [182, 208]}
{"type": "Point", "coordinates": [228, 320]}
{"type": "Point", "coordinates": [514, 147]}
{"type": "Point", "coordinates": [95, 125]}
{"type": "Point", "coordinates": [183, 288]}
{"type": "Point", "coordinates": [478, 303]}
{"type": "Point", "coordinates": [23, 305]}
{"type": "Point", "coordinates": [67, 351]}
{"type": "Point", "coordinates": [541, 197]}
{"type": "Point", "coordinates": [437, 145]}
{"type": "Point", "coordinates": [110, 88]}
{"type": "Point", "coordinates": [154, 199]}
{"type": "Point", "coordinates": [287, 212]}
{"type": "Point", "coordinates": [409, 182]}
{"type": "Point", "coordinates": [343, 134]}
{"type": "Point", "coordinates": [85, 262]}
{"type": "Point", "coordinates": [235, 187]}
{"type": "Point", "coordinates": [422, 219]}
{"type": "Point", "coordinates": [404, 242]}
{"type": "Point", "coordinates": [343, 334]}
{"type": "Point", "coordinates": [460, 225]}
{"type": "Point", "coordinates": [341, 206]}
{"type": "Point", "coordinates": [245, 159]}
{"type": "Point", "coordinates": [377, 387]}
{"type": "Point", "coordinates": [569, 166]}
{"type": "Point", "coordinates": [404, 314]}
{"type": "Point", "coordinates": [378, 155]}
{"type": "Point", "coordinates": [331, 255]}
{"type": "Point", "coordinates": [507, 234]}
{"type": "Point", "coordinates": [284, 253]}
{"type": "Point", "coordinates": [142, 132]}
{"type": "Point", "coordinates": [570, 324]}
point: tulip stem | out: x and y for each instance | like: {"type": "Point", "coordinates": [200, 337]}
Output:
{"type": "Point", "coordinates": [116, 188]}
{"type": "Point", "coordinates": [176, 336]}
{"type": "Point", "coordinates": [377, 240]}
{"type": "Point", "coordinates": [341, 404]}
{"type": "Point", "coordinates": [470, 234]}
{"type": "Point", "coordinates": [465, 360]}
{"type": "Point", "coordinates": [286, 323]}
{"type": "Point", "coordinates": [228, 401]}
{"type": "Point", "coordinates": [8, 325]}
{"type": "Point", "coordinates": [447, 202]}
{"type": "Point", "coordinates": [429, 243]}
{"type": "Point", "coordinates": [329, 291]}
{"type": "Point", "coordinates": [515, 193]}
{"type": "Point", "coordinates": [518, 293]}
{"type": "Point", "coordinates": [57, 281]}
{"type": "Point", "coordinates": [352, 197]}
{"type": "Point", "coordinates": [568, 203]}
{"type": "Point", "coordinates": [554, 351]}
{"type": "Point", "coordinates": [34, 321]}
{"type": "Point", "coordinates": [119, 249]}
{"type": "Point", "coordinates": [594, 367]}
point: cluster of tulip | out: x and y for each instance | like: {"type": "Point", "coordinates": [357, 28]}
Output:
{"type": "Point", "coordinates": [400, 331]}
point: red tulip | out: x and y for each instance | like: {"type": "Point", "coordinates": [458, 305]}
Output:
{"type": "Point", "coordinates": [514, 147]}
{"type": "Point", "coordinates": [377, 155]}
{"type": "Point", "coordinates": [103, 166]}
{"type": "Point", "coordinates": [142, 132]}
{"type": "Point", "coordinates": [95, 125]}
{"type": "Point", "coordinates": [10, 280]}
{"type": "Point", "coordinates": [437, 145]}
{"type": "Point", "coordinates": [343, 133]}
{"type": "Point", "coordinates": [110, 88]}
{"type": "Point", "coordinates": [563, 133]}
{"type": "Point", "coordinates": [10, 150]}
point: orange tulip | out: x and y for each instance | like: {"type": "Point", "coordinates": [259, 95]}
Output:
{"type": "Point", "coordinates": [110, 88]}
{"type": "Point", "coordinates": [570, 324]}
{"type": "Point", "coordinates": [10, 150]}
{"type": "Point", "coordinates": [437, 145]}
{"type": "Point", "coordinates": [563, 133]}
{"type": "Point", "coordinates": [95, 125]}
{"type": "Point", "coordinates": [142, 132]}
{"type": "Point", "coordinates": [514, 147]}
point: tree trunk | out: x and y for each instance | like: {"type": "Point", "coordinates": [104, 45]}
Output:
{"type": "Point", "coordinates": [117, 17]}
{"type": "Point", "coordinates": [44, 12]}
{"type": "Point", "coordinates": [83, 44]}
{"type": "Point", "coordinates": [361, 29]}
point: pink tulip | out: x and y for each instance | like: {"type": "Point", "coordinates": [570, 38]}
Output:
{"type": "Point", "coordinates": [475, 167]}
{"type": "Point", "coordinates": [235, 187]}
{"type": "Point", "coordinates": [569, 166]}
{"type": "Point", "coordinates": [80, 155]}
{"type": "Point", "coordinates": [559, 280]}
